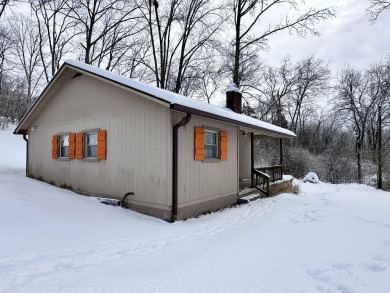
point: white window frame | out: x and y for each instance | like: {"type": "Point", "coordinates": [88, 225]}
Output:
{"type": "Point", "coordinates": [86, 134]}
{"type": "Point", "coordinates": [216, 144]}
{"type": "Point", "coordinates": [61, 146]}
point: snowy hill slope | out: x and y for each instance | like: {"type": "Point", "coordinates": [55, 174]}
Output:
{"type": "Point", "coordinates": [331, 238]}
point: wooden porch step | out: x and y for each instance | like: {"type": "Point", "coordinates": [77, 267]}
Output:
{"type": "Point", "coordinates": [248, 195]}
{"type": "Point", "coordinates": [246, 191]}
{"type": "Point", "coordinates": [248, 198]}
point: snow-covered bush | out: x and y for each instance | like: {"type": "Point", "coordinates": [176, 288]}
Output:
{"type": "Point", "coordinates": [311, 177]}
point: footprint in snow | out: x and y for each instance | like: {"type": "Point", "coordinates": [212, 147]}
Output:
{"type": "Point", "coordinates": [301, 216]}
{"type": "Point", "coordinates": [383, 258]}
{"type": "Point", "coordinates": [333, 278]}
{"type": "Point", "coordinates": [376, 268]}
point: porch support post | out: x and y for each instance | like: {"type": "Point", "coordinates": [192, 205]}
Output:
{"type": "Point", "coordinates": [281, 151]}
{"type": "Point", "coordinates": [252, 157]}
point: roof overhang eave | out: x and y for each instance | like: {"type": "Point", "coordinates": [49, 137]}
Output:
{"type": "Point", "coordinates": [181, 108]}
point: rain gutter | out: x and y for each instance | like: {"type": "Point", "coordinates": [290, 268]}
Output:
{"type": "Point", "coordinates": [26, 140]}
{"type": "Point", "coordinates": [175, 166]}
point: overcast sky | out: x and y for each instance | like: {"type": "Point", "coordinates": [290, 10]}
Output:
{"type": "Point", "coordinates": [348, 38]}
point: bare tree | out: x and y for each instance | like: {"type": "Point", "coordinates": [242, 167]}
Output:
{"type": "Point", "coordinates": [356, 105]}
{"type": "Point", "coordinates": [210, 78]}
{"type": "Point", "coordinates": [180, 32]}
{"type": "Point", "coordinates": [274, 87]}
{"type": "Point", "coordinates": [337, 162]}
{"type": "Point", "coordinates": [379, 89]}
{"type": "Point", "coordinates": [5, 50]}
{"type": "Point", "coordinates": [3, 5]}
{"type": "Point", "coordinates": [132, 61]}
{"type": "Point", "coordinates": [55, 33]}
{"type": "Point", "coordinates": [251, 67]}
{"type": "Point", "coordinates": [312, 76]}
{"type": "Point", "coordinates": [376, 8]}
{"type": "Point", "coordinates": [328, 125]}
{"type": "Point", "coordinates": [5, 46]}
{"type": "Point", "coordinates": [24, 34]}
{"type": "Point", "coordinates": [251, 32]}
{"type": "Point", "coordinates": [13, 102]}
{"type": "Point", "coordinates": [104, 26]}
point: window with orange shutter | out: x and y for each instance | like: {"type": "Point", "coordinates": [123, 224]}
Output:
{"type": "Point", "coordinates": [91, 144]}
{"type": "Point", "coordinates": [64, 145]}
{"type": "Point", "coordinates": [210, 144]}
{"type": "Point", "coordinates": [82, 145]}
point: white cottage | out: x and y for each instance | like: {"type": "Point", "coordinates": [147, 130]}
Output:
{"type": "Point", "coordinates": [163, 154]}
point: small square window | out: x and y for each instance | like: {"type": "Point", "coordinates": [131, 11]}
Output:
{"type": "Point", "coordinates": [211, 144]}
{"type": "Point", "coordinates": [64, 145]}
{"type": "Point", "coordinates": [90, 139]}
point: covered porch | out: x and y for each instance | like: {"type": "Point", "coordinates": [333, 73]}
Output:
{"type": "Point", "coordinates": [260, 161]}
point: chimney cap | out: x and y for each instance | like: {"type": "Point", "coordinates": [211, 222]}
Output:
{"type": "Point", "coordinates": [233, 88]}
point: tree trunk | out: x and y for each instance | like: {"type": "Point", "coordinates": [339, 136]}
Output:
{"type": "Point", "coordinates": [379, 148]}
{"type": "Point", "coordinates": [358, 157]}
{"type": "Point", "coordinates": [236, 68]}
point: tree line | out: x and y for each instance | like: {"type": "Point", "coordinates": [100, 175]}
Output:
{"type": "Point", "coordinates": [192, 47]}
{"type": "Point", "coordinates": [185, 46]}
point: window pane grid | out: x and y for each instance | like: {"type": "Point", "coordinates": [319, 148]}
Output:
{"type": "Point", "coordinates": [211, 144]}
{"type": "Point", "coordinates": [64, 146]}
{"type": "Point", "coordinates": [91, 145]}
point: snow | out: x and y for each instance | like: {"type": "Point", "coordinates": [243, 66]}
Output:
{"type": "Point", "coordinates": [13, 149]}
{"type": "Point", "coordinates": [233, 88]}
{"type": "Point", "coordinates": [173, 98]}
{"type": "Point", "coordinates": [330, 238]}
{"type": "Point", "coordinates": [311, 177]}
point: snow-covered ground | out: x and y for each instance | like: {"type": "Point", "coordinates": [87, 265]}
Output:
{"type": "Point", "coordinates": [331, 238]}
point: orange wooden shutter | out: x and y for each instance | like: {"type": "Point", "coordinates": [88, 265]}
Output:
{"type": "Point", "coordinates": [72, 145]}
{"type": "Point", "coordinates": [223, 148]}
{"type": "Point", "coordinates": [199, 144]}
{"type": "Point", "coordinates": [102, 144]}
{"type": "Point", "coordinates": [79, 145]}
{"type": "Point", "coordinates": [54, 147]}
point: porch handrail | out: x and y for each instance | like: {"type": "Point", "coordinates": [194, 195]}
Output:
{"type": "Point", "coordinates": [261, 181]}
{"type": "Point", "coordinates": [274, 172]}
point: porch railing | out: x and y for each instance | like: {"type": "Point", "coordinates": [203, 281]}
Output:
{"type": "Point", "coordinates": [261, 181]}
{"type": "Point", "coordinates": [264, 175]}
{"type": "Point", "coordinates": [274, 172]}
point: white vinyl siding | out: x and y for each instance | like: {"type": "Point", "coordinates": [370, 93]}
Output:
{"type": "Point", "coordinates": [139, 151]}
{"type": "Point", "coordinates": [211, 178]}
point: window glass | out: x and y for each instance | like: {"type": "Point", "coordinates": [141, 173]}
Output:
{"type": "Point", "coordinates": [91, 145]}
{"type": "Point", "coordinates": [211, 144]}
{"type": "Point", "coordinates": [64, 146]}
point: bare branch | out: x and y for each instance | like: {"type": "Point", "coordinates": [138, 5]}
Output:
{"type": "Point", "coordinates": [376, 8]}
